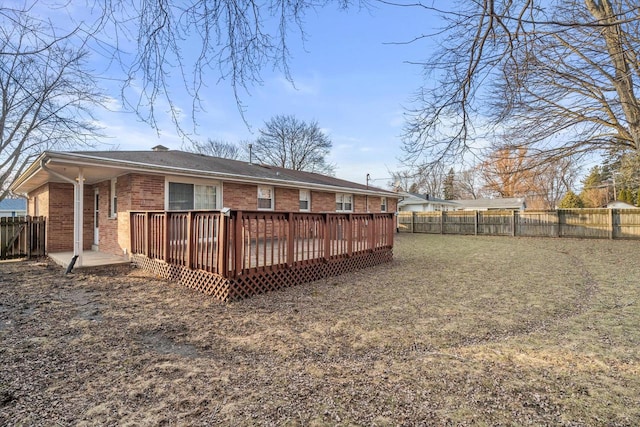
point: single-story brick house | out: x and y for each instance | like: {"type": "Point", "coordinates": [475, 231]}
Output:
{"type": "Point", "coordinates": [414, 202]}
{"type": "Point", "coordinates": [117, 182]}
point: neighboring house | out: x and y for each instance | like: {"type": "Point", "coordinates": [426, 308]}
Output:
{"type": "Point", "coordinates": [619, 205]}
{"type": "Point", "coordinates": [413, 202]}
{"type": "Point", "coordinates": [512, 203]}
{"type": "Point", "coordinates": [13, 207]}
{"type": "Point", "coordinates": [116, 182]}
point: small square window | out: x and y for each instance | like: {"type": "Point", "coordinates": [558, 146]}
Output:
{"type": "Point", "coordinates": [305, 200]}
{"type": "Point", "coordinates": [265, 197]}
{"type": "Point", "coordinates": [344, 202]}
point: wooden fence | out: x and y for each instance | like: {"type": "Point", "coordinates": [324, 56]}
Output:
{"type": "Point", "coordinates": [22, 237]}
{"type": "Point", "coordinates": [255, 249]}
{"type": "Point", "coordinates": [577, 223]}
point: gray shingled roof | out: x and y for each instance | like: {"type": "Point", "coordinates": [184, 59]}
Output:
{"type": "Point", "coordinates": [500, 203]}
{"type": "Point", "coordinates": [199, 162]}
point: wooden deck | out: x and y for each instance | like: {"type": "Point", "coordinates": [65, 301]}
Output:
{"type": "Point", "coordinates": [243, 253]}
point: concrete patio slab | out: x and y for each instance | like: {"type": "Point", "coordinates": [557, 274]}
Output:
{"type": "Point", "coordinates": [89, 259]}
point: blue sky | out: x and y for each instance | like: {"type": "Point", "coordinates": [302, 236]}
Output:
{"type": "Point", "coordinates": [347, 78]}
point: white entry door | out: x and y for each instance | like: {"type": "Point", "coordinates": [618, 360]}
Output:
{"type": "Point", "coordinates": [96, 215]}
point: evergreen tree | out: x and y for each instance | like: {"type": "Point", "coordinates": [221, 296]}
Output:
{"type": "Point", "coordinates": [626, 195]}
{"type": "Point", "coordinates": [449, 186]}
{"type": "Point", "coordinates": [595, 192]}
{"type": "Point", "coordinates": [571, 200]}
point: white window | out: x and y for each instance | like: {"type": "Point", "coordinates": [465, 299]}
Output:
{"type": "Point", "coordinates": [183, 196]}
{"type": "Point", "coordinates": [113, 200]}
{"type": "Point", "coordinates": [265, 197]}
{"type": "Point", "coordinates": [344, 202]}
{"type": "Point", "coordinates": [305, 200]}
{"type": "Point", "coordinates": [383, 204]}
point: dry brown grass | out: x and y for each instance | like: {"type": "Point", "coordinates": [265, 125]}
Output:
{"type": "Point", "coordinates": [456, 331]}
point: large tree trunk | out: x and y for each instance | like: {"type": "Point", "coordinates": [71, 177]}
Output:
{"type": "Point", "coordinates": [623, 81]}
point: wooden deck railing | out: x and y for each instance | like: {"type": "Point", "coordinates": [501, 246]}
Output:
{"type": "Point", "coordinates": [242, 242]}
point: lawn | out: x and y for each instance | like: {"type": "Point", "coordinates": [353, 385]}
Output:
{"type": "Point", "coordinates": [457, 330]}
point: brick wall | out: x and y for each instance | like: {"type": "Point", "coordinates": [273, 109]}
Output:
{"type": "Point", "coordinates": [88, 217]}
{"type": "Point", "coordinates": [323, 202]}
{"type": "Point", "coordinates": [60, 218]}
{"type": "Point", "coordinates": [240, 196]}
{"type": "Point", "coordinates": [146, 192]}
{"type": "Point", "coordinates": [287, 199]}
{"type": "Point", "coordinates": [360, 203]}
{"type": "Point", "coordinates": [56, 202]}
{"type": "Point", "coordinates": [39, 197]}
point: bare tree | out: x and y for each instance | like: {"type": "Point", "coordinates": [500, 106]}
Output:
{"type": "Point", "coordinates": [508, 173]}
{"type": "Point", "coordinates": [468, 184]}
{"type": "Point", "coordinates": [155, 46]}
{"type": "Point", "coordinates": [290, 143]}
{"type": "Point", "coordinates": [46, 95]}
{"type": "Point", "coordinates": [217, 148]}
{"type": "Point", "coordinates": [233, 40]}
{"type": "Point", "coordinates": [559, 78]}
{"type": "Point", "coordinates": [425, 179]}
{"type": "Point", "coordinates": [551, 181]}
{"type": "Point", "coordinates": [513, 173]}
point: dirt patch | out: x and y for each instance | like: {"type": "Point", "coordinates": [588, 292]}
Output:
{"type": "Point", "coordinates": [455, 331]}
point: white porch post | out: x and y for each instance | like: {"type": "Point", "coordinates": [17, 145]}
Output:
{"type": "Point", "coordinates": [79, 218]}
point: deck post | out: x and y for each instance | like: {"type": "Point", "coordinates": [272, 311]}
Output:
{"type": "Point", "coordinates": [166, 237]}
{"type": "Point", "coordinates": [223, 246]}
{"type": "Point", "coordinates": [188, 254]}
{"type": "Point", "coordinates": [327, 237]}
{"type": "Point", "coordinates": [372, 232]}
{"type": "Point", "coordinates": [349, 234]}
{"type": "Point", "coordinates": [238, 244]}
{"type": "Point", "coordinates": [147, 232]}
{"type": "Point", "coordinates": [290, 239]}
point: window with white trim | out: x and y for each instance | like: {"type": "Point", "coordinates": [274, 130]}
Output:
{"type": "Point", "coordinates": [265, 197]}
{"type": "Point", "coordinates": [113, 199]}
{"type": "Point", "coordinates": [183, 196]}
{"type": "Point", "coordinates": [383, 204]}
{"type": "Point", "coordinates": [305, 200]}
{"type": "Point", "coordinates": [344, 202]}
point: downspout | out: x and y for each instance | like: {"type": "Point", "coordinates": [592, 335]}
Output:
{"type": "Point", "coordinates": [77, 212]}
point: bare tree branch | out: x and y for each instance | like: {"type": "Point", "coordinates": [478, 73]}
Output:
{"type": "Point", "coordinates": [46, 99]}
{"type": "Point", "coordinates": [556, 79]}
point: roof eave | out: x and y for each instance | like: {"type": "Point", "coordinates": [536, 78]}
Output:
{"type": "Point", "coordinates": [34, 168]}
{"type": "Point", "coordinates": [63, 157]}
